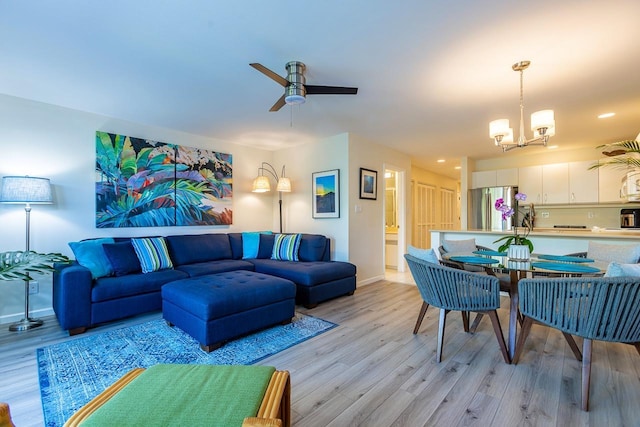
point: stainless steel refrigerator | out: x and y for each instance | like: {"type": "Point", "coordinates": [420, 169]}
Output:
{"type": "Point", "coordinates": [481, 212]}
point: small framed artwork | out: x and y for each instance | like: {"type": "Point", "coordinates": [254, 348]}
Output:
{"type": "Point", "coordinates": [368, 184]}
{"type": "Point", "coordinates": [326, 194]}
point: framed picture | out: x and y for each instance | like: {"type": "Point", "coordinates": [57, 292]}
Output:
{"type": "Point", "coordinates": [368, 184]}
{"type": "Point", "coordinates": [326, 194]}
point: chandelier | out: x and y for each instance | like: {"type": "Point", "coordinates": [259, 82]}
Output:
{"type": "Point", "coordinates": [543, 124]}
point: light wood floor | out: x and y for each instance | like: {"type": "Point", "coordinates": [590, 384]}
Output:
{"type": "Point", "coordinates": [372, 371]}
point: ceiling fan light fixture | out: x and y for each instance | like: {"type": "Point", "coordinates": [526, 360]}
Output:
{"type": "Point", "coordinates": [295, 85]}
{"type": "Point", "coordinates": [294, 99]}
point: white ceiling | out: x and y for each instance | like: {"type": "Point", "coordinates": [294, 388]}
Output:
{"type": "Point", "coordinates": [431, 74]}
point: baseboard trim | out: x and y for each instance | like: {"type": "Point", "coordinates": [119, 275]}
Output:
{"type": "Point", "coordinates": [12, 318]}
{"type": "Point", "coordinates": [371, 280]}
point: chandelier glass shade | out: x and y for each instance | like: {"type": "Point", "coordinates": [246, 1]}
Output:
{"type": "Point", "coordinates": [543, 123]}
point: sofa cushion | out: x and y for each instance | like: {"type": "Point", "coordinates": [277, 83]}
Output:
{"type": "Point", "coordinates": [305, 273]}
{"type": "Point", "coordinates": [266, 246]}
{"type": "Point", "coordinates": [152, 253]}
{"type": "Point", "coordinates": [122, 257]}
{"type": "Point", "coordinates": [286, 247]}
{"type": "Point", "coordinates": [251, 243]}
{"type": "Point", "coordinates": [235, 240]}
{"type": "Point", "coordinates": [192, 248]}
{"type": "Point", "coordinates": [214, 267]}
{"type": "Point", "coordinates": [218, 295]}
{"type": "Point", "coordinates": [312, 247]}
{"type": "Point", "coordinates": [90, 254]}
{"type": "Point", "coordinates": [109, 288]}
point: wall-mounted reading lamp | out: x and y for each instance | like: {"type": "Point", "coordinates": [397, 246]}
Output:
{"type": "Point", "coordinates": [262, 185]}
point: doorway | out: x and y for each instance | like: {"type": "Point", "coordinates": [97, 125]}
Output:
{"type": "Point", "coordinates": [394, 219]}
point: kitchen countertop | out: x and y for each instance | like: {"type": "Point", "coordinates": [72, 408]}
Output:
{"type": "Point", "coordinates": [617, 233]}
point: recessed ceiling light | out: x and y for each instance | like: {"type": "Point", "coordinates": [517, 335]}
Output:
{"type": "Point", "coordinates": [458, 167]}
{"type": "Point", "coordinates": [606, 115]}
{"type": "Point", "coordinates": [440, 160]}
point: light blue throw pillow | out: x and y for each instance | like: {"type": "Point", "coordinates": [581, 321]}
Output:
{"type": "Point", "coordinates": [286, 247]}
{"type": "Point", "coordinates": [251, 243]}
{"type": "Point", "coordinates": [152, 253]}
{"type": "Point", "coordinates": [616, 269]}
{"type": "Point", "coordinates": [91, 254]}
{"type": "Point", "coordinates": [428, 255]}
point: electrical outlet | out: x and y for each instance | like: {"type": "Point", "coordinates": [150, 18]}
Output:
{"type": "Point", "coordinates": [33, 287]}
{"type": "Point", "coordinates": [591, 215]}
{"type": "Point", "coordinates": [544, 214]}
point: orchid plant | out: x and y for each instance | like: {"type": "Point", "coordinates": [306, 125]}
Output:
{"type": "Point", "coordinates": [517, 238]}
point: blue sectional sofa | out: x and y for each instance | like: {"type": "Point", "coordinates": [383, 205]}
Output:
{"type": "Point", "coordinates": [81, 301]}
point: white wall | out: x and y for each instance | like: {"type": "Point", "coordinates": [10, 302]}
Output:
{"type": "Point", "coordinates": [301, 161]}
{"type": "Point", "coordinates": [366, 227]}
{"type": "Point", "coordinates": [58, 143]}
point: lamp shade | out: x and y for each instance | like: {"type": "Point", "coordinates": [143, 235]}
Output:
{"type": "Point", "coordinates": [25, 189]}
{"type": "Point", "coordinates": [542, 119]}
{"type": "Point", "coordinates": [284, 185]}
{"type": "Point", "coordinates": [261, 185]}
{"type": "Point", "coordinates": [498, 127]}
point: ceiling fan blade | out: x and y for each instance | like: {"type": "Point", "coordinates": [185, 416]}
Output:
{"type": "Point", "coordinates": [267, 72]}
{"type": "Point", "coordinates": [330, 90]}
{"type": "Point", "coordinates": [278, 105]}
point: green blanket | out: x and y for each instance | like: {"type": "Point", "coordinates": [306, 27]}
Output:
{"type": "Point", "coordinates": [187, 395]}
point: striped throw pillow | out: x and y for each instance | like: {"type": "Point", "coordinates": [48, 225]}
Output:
{"type": "Point", "coordinates": [285, 247]}
{"type": "Point", "coordinates": [152, 253]}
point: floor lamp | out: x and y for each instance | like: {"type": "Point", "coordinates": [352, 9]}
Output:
{"type": "Point", "coordinates": [261, 184]}
{"type": "Point", "coordinates": [26, 190]}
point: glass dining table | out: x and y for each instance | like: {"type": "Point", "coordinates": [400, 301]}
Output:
{"type": "Point", "coordinates": [495, 263]}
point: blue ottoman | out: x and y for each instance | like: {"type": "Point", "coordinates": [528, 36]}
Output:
{"type": "Point", "coordinates": [218, 307]}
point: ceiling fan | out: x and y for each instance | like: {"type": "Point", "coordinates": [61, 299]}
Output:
{"type": "Point", "coordinates": [295, 87]}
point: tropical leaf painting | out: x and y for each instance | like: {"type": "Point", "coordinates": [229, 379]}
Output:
{"type": "Point", "coordinates": [144, 183]}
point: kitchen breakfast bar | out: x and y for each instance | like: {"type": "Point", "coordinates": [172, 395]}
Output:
{"type": "Point", "coordinates": [545, 240]}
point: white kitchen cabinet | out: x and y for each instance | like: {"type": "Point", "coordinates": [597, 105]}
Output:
{"type": "Point", "coordinates": [609, 183]}
{"type": "Point", "coordinates": [555, 184]}
{"type": "Point", "coordinates": [583, 183]}
{"type": "Point", "coordinates": [530, 183]}
{"type": "Point", "coordinates": [483, 179]}
{"type": "Point", "coordinates": [495, 178]}
{"type": "Point", "coordinates": [506, 177]}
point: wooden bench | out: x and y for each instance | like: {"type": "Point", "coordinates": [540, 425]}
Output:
{"type": "Point", "coordinates": [160, 384]}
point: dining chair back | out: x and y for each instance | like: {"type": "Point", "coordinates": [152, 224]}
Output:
{"type": "Point", "coordinates": [594, 308]}
{"type": "Point", "coordinates": [451, 289]}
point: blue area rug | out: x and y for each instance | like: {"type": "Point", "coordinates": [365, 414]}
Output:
{"type": "Point", "coordinates": [74, 372]}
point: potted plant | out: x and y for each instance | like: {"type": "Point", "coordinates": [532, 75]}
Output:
{"type": "Point", "coordinates": [518, 246]}
{"type": "Point", "coordinates": [621, 154]}
{"type": "Point", "coordinates": [19, 265]}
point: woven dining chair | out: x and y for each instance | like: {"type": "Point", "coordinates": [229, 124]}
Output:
{"type": "Point", "coordinates": [594, 308]}
{"type": "Point", "coordinates": [451, 289]}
